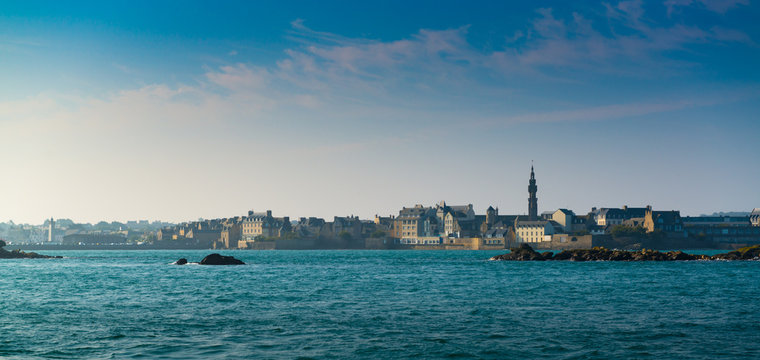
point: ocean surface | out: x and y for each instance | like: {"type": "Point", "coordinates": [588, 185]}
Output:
{"type": "Point", "coordinates": [374, 305]}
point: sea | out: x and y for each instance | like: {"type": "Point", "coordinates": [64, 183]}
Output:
{"type": "Point", "coordinates": [358, 304]}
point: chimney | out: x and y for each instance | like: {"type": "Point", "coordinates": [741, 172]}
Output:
{"type": "Point", "coordinates": [269, 213]}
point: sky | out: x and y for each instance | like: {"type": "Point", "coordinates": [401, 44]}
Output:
{"type": "Point", "coordinates": [126, 110]}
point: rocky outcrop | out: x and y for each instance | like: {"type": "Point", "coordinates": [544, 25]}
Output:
{"type": "Point", "coordinates": [217, 259]}
{"type": "Point", "coordinates": [18, 254]}
{"type": "Point", "coordinates": [746, 253]}
{"type": "Point", "coordinates": [602, 254]}
{"type": "Point", "coordinates": [525, 253]}
{"type": "Point", "coordinates": [213, 259]}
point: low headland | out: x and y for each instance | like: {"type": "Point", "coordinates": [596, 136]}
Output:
{"type": "Point", "coordinates": [18, 254]}
{"type": "Point", "coordinates": [526, 253]}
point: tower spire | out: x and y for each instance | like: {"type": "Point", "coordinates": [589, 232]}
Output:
{"type": "Point", "coordinates": [532, 199]}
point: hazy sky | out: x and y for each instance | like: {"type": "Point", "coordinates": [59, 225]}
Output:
{"type": "Point", "coordinates": [118, 110]}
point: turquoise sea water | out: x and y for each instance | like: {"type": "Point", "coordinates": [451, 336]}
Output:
{"type": "Point", "coordinates": [374, 304]}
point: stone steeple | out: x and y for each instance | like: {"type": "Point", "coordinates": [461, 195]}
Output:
{"type": "Point", "coordinates": [532, 199]}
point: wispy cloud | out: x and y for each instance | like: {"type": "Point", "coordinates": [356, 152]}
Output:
{"type": "Point", "coordinates": [334, 74]}
{"type": "Point", "coordinates": [623, 110]}
{"type": "Point", "coordinates": [623, 41]}
{"type": "Point", "coordinates": [719, 6]}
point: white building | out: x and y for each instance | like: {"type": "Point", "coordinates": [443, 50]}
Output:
{"type": "Point", "coordinates": [536, 231]}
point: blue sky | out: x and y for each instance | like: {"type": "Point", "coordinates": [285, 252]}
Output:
{"type": "Point", "coordinates": [132, 110]}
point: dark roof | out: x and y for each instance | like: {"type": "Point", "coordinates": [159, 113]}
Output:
{"type": "Point", "coordinates": [538, 223]}
{"type": "Point", "coordinates": [668, 217]}
{"type": "Point", "coordinates": [414, 211]}
{"type": "Point", "coordinates": [626, 213]}
{"type": "Point", "coordinates": [715, 219]}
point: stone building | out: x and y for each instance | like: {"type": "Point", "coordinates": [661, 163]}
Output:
{"type": "Point", "coordinates": [754, 217]}
{"type": "Point", "coordinates": [566, 219]}
{"type": "Point", "coordinates": [417, 225]}
{"type": "Point", "coordinates": [723, 229]}
{"type": "Point", "coordinates": [350, 225]}
{"type": "Point", "coordinates": [263, 224]}
{"type": "Point", "coordinates": [609, 217]}
{"type": "Point", "coordinates": [309, 228]}
{"type": "Point", "coordinates": [667, 221]}
{"type": "Point", "coordinates": [231, 232]}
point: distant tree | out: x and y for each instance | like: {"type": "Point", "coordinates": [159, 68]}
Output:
{"type": "Point", "coordinates": [66, 223]}
{"type": "Point", "coordinates": [135, 237]}
{"type": "Point", "coordinates": [290, 235]}
{"type": "Point", "coordinates": [628, 231]}
{"type": "Point", "coordinates": [345, 236]}
{"type": "Point", "coordinates": [378, 234]}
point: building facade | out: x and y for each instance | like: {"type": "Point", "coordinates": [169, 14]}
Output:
{"type": "Point", "coordinates": [263, 224]}
{"type": "Point", "coordinates": [534, 231]}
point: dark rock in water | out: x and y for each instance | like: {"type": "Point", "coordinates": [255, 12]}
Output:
{"type": "Point", "coordinates": [18, 254]}
{"type": "Point", "coordinates": [525, 253]}
{"type": "Point", "coordinates": [217, 259]}
{"type": "Point", "coordinates": [181, 261]}
{"type": "Point", "coordinates": [745, 253]}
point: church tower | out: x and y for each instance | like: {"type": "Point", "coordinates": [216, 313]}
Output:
{"type": "Point", "coordinates": [532, 200]}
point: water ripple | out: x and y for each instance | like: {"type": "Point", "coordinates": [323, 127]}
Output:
{"type": "Point", "coordinates": [374, 305]}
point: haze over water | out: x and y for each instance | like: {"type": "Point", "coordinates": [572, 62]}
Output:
{"type": "Point", "coordinates": [374, 305]}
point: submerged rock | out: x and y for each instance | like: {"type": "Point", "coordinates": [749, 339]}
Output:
{"type": "Point", "coordinates": [217, 259]}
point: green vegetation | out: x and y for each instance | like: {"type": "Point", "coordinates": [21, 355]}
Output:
{"type": "Point", "coordinates": [628, 231]}
{"type": "Point", "coordinates": [749, 249]}
{"type": "Point", "coordinates": [345, 236]}
{"type": "Point", "coordinates": [378, 234]}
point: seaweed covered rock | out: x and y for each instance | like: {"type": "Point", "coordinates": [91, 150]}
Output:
{"type": "Point", "coordinates": [745, 253]}
{"type": "Point", "coordinates": [525, 253]}
{"type": "Point", "coordinates": [217, 259]}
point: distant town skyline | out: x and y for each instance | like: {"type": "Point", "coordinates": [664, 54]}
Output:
{"type": "Point", "coordinates": [165, 112]}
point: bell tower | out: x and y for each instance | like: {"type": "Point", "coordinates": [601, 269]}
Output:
{"type": "Point", "coordinates": [532, 199]}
